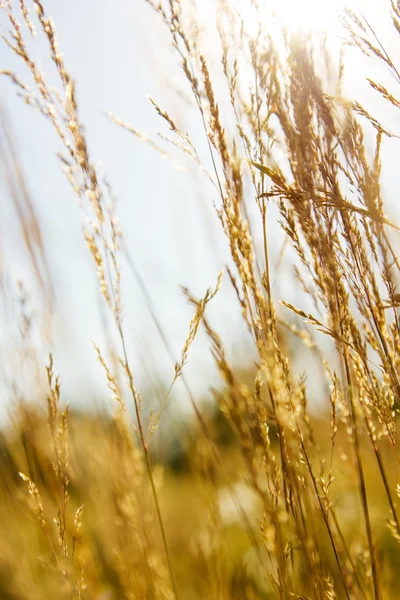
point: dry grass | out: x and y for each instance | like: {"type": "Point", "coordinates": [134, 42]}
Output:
{"type": "Point", "coordinates": [289, 506]}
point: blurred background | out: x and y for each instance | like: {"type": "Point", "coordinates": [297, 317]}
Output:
{"type": "Point", "coordinates": [124, 66]}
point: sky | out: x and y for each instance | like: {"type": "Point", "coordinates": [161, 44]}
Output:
{"type": "Point", "coordinates": [119, 54]}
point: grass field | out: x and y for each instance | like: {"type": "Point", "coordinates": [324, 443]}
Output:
{"type": "Point", "coordinates": [259, 494]}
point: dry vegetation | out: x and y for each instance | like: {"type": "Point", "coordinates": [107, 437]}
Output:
{"type": "Point", "coordinates": [266, 500]}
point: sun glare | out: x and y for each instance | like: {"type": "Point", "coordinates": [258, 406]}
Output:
{"type": "Point", "coordinates": [308, 15]}
{"type": "Point", "coordinates": [298, 15]}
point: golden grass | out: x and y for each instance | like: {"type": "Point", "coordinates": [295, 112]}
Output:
{"type": "Point", "coordinates": [291, 505]}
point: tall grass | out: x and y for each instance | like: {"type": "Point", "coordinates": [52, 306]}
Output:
{"type": "Point", "coordinates": [290, 505]}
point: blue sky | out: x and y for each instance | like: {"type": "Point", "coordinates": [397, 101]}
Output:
{"type": "Point", "coordinates": [117, 57]}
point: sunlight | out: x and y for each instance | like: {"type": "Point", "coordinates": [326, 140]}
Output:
{"type": "Point", "coordinates": [308, 15]}
{"type": "Point", "coordinates": [298, 15]}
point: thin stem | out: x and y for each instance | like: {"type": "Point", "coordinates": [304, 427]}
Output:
{"type": "Point", "coordinates": [147, 461]}
{"type": "Point", "coordinates": [363, 489]}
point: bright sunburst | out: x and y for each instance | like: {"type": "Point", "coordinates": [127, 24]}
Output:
{"type": "Point", "coordinates": [295, 15]}
{"type": "Point", "coordinates": [308, 15]}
